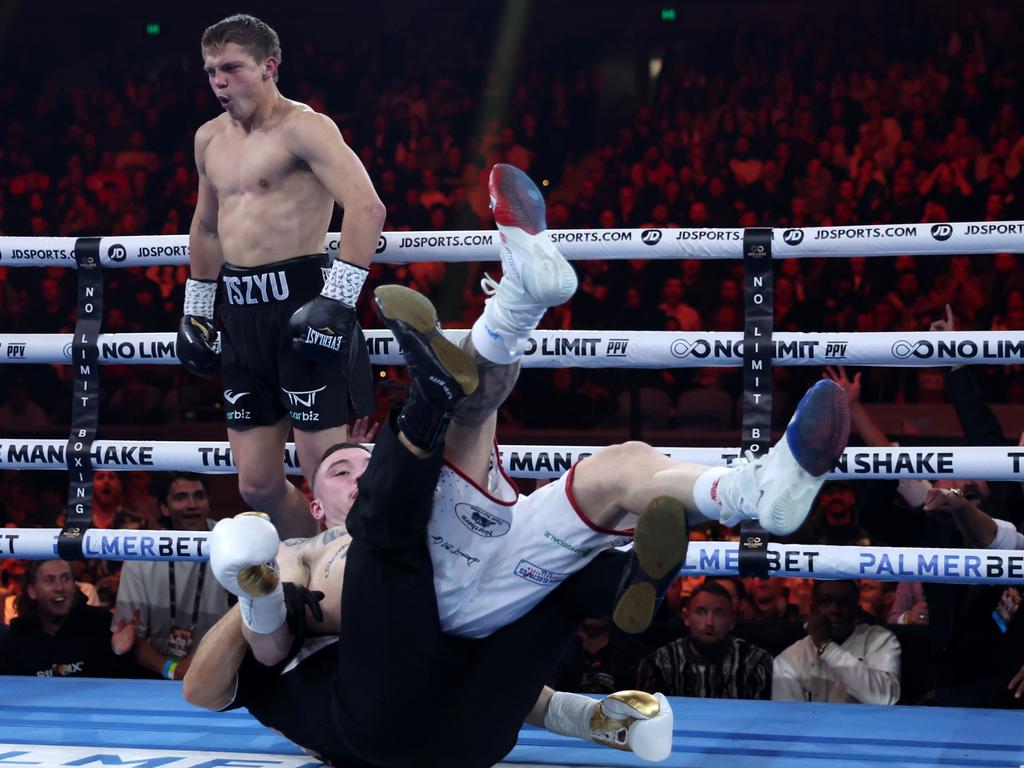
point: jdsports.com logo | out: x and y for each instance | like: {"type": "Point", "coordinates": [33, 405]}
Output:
{"type": "Point", "coordinates": [793, 236]}
{"type": "Point", "coordinates": [117, 252]}
{"type": "Point", "coordinates": [650, 236]}
{"type": "Point", "coordinates": [382, 244]}
{"type": "Point", "coordinates": [942, 232]}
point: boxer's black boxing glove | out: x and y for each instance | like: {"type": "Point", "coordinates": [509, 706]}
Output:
{"type": "Point", "coordinates": [321, 328]}
{"type": "Point", "coordinates": [198, 345]}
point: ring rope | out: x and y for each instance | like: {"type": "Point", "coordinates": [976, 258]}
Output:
{"type": "Point", "coordinates": [609, 349]}
{"type": "Point", "coordinates": [529, 461]}
{"type": "Point", "coordinates": [950, 566]}
{"type": "Point", "coordinates": [576, 244]}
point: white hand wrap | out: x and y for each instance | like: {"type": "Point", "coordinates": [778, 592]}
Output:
{"type": "Point", "coordinates": [344, 282]}
{"type": "Point", "coordinates": [242, 557]}
{"type": "Point", "coordinates": [199, 297]}
{"type": "Point", "coordinates": [569, 714]}
{"type": "Point", "coordinates": [265, 614]}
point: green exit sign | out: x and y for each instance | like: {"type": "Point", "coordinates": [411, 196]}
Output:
{"type": "Point", "coordinates": [668, 14]}
{"type": "Point", "coordinates": [153, 28]}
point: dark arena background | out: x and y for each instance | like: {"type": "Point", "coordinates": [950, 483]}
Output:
{"type": "Point", "coordinates": [754, 196]}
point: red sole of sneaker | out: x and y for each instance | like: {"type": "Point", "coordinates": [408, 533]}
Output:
{"type": "Point", "coordinates": [517, 201]}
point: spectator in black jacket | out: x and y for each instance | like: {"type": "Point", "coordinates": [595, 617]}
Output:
{"type": "Point", "coordinates": [974, 655]}
{"type": "Point", "coordinates": [57, 635]}
{"type": "Point", "coordinates": [601, 659]}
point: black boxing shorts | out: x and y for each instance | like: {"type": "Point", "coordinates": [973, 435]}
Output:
{"type": "Point", "coordinates": [265, 379]}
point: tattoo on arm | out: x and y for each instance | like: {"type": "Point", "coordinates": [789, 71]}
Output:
{"type": "Point", "coordinates": [496, 381]}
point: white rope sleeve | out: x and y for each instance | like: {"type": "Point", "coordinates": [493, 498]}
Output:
{"type": "Point", "coordinates": [577, 244]}
{"type": "Point", "coordinates": [532, 461]}
{"type": "Point", "coordinates": [108, 544]}
{"type": "Point", "coordinates": [610, 349]}
{"type": "Point", "coordinates": [952, 566]}
{"type": "Point", "coordinates": [949, 566]}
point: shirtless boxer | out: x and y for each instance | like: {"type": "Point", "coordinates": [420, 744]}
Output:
{"type": "Point", "coordinates": [493, 601]}
{"type": "Point", "coordinates": [292, 354]}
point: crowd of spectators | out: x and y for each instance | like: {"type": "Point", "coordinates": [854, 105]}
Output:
{"type": "Point", "coordinates": [904, 114]}
{"type": "Point", "coordinates": [861, 117]}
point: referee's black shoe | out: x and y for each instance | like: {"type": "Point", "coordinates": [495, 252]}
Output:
{"type": "Point", "coordinates": [442, 374]}
{"type": "Point", "coordinates": [660, 540]}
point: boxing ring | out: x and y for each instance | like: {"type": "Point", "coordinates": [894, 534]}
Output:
{"type": "Point", "coordinates": [146, 723]}
{"type": "Point", "coordinates": [88, 721]}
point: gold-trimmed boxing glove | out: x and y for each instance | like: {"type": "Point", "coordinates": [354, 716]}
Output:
{"type": "Point", "coordinates": [634, 721]}
{"type": "Point", "coordinates": [243, 558]}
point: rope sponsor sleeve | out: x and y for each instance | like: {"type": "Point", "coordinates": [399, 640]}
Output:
{"type": "Point", "coordinates": [577, 244]}
{"type": "Point", "coordinates": [951, 566]}
{"type": "Point", "coordinates": [530, 461]}
{"type": "Point", "coordinates": [608, 349]}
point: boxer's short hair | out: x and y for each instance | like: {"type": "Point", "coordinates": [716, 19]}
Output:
{"type": "Point", "coordinates": [256, 36]}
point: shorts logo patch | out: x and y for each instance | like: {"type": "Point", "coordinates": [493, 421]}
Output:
{"type": "Point", "coordinates": [481, 522]}
{"type": "Point", "coordinates": [304, 399]}
{"type": "Point", "coordinates": [233, 397]}
{"type": "Point", "coordinates": [536, 574]}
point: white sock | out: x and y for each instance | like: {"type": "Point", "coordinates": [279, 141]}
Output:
{"type": "Point", "coordinates": [705, 492]}
{"type": "Point", "coordinates": [490, 344]}
{"type": "Point", "coordinates": [569, 714]}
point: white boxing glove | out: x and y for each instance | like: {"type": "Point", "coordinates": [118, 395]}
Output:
{"type": "Point", "coordinates": [243, 552]}
{"type": "Point", "coordinates": [634, 721]}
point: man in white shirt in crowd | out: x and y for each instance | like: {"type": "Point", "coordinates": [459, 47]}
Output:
{"type": "Point", "coordinates": [172, 604]}
{"type": "Point", "coordinates": [842, 659]}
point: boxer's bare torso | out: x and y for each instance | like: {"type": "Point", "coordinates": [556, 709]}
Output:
{"type": "Point", "coordinates": [270, 170]}
{"type": "Point", "coordinates": [319, 563]}
{"type": "Point", "coordinates": [267, 202]}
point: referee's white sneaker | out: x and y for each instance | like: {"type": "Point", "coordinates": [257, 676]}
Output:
{"type": "Point", "coordinates": [777, 489]}
{"type": "Point", "coordinates": [535, 275]}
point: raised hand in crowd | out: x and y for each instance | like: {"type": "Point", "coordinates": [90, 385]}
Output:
{"type": "Point", "coordinates": [918, 614]}
{"type": "Point", "coordinates": [363, 430]}
{"type": "Point", "coordinates": [978, 528]}
{"type": "Point", "coordinates": [860, 419]}
{"type": "Point", "coordinates": [850, 386]}
{"type": "Point", "coordinates": [122, 639]}
{"type": "Point", "coordinates": [947, 323]}
{"type": "Point", "coordinates": [1017, 683]}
